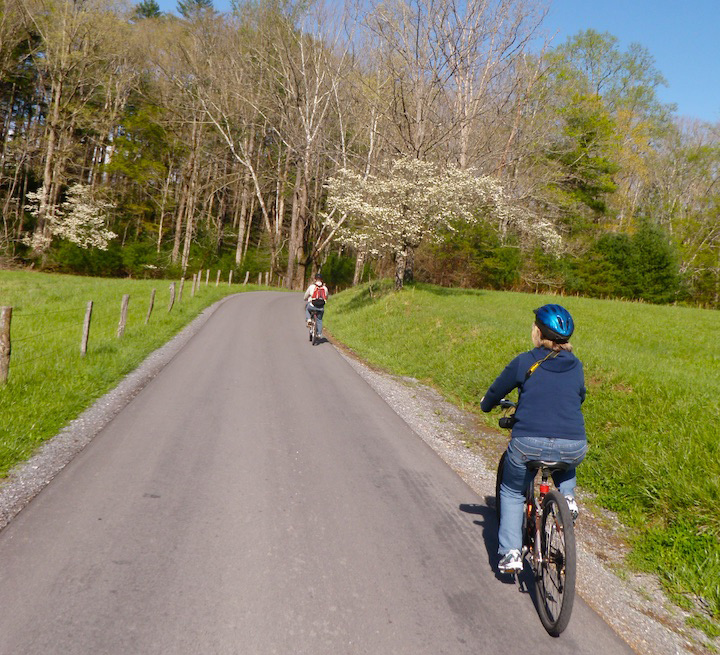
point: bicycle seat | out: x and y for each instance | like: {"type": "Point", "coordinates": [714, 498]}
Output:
{"type": "Point", "coordinates": [536, 464]}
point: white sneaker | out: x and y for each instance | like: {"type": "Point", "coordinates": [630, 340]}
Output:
{"type": "Point", "coordinates": [573, 507]}
{"type": "Point", "coordinates": [511, 562]}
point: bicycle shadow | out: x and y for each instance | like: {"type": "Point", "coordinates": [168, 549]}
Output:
{"type": "Point", "coordinates": [525, 580]}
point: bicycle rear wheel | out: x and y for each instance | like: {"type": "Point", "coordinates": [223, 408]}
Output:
{"type": "Point", "coordinates": [555, 575]}
{"type": "Point", "coordinates": [313, 331]}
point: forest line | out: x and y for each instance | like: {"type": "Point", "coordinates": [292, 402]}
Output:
{"type": "Point", "coordinates": [286, 137]}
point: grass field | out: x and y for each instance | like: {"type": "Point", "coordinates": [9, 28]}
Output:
{"type": "Point", "coordinates": [652, 410]}
{"type": "Point", "coordinates": [50, 383]}
{"type": "Point", "coordinates": [652, 374]}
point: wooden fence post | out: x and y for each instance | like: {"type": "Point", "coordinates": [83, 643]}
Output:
{"type": "Point", "coordinates": [172, 296]}
{"type": "Point", "coordinates": [247, 275]}
{"type": "Point", "coordinates": [259, 279]}
{"type": "Point", "coordinates": [86, 329]}
{"type": "Point", "coordinates": [150, 308]}
{"type": "Point", "coordinates": [207, 277]}
{"type": "Point", "coordinates": [192, 292]}
{"type": "Point", "coordinates": [182, 284]}
{"type": "Point", "coordinates": [123, 315]}
{"type": "Point", "coordinates": [5, 347]}
{"type": "Point", "coordinates": [217, 281]}
{"type": "Point", "coordinates": [230, 278]}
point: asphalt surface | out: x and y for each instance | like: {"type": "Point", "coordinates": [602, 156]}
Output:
{"type": "Point", "coordinates": [259, 497]}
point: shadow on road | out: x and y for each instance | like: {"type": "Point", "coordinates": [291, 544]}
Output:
{"type": "Point", "coordinates": [488, 522]}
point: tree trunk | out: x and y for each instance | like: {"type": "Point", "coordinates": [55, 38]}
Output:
{"type": "Point", "coordinates": [400, 260]}
{"type": "Point", "coordinates": [359, 267]}
{"type": "Point", "coordinates": [301, 259]}
{"type": "Point", "coordinates": [40, 228]}
{"type": "Point", "coordinates": [295, 244]}
{"type": "Point", "coordinates": [409, 272]}
{"type": "Point", "coordinates": [192, 196]}
{"type": "Point", "coordinates": [163, 205]}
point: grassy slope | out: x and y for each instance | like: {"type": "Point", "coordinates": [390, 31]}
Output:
{"type": "Point", "coordinates": [49, 382]}
{"type": "Point", "coordinates": [652, 410]}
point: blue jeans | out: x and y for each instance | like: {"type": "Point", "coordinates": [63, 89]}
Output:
{"type": "Point", "coordinates": [517, 477]}
{"type": "Point", "coordinates": [319, 312]}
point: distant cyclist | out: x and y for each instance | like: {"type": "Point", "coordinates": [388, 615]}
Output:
{"type": "Point", "coordinates": [548, 424]}
{"type": "Point", "coordinates": [315, 297]}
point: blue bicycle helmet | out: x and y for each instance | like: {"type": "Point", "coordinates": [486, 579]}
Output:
{"type": "Point", "coordinates": [555, 323]}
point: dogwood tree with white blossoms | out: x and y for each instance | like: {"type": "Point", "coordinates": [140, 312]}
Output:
{"type": "Point", "coordinates": [81, 219]}
{"type": "Point", "coordinates": [416, 200]}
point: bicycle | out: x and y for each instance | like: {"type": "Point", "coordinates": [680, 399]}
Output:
{"type": "Point", "coordinates": [312, 328]}
{"type": "Point", "coordinates": [315, 307]}
{"type": "Point", "coordinates": [548, 539]}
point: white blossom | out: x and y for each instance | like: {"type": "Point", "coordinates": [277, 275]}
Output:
{"type": "Point", "coordinates": [418, 200]}
{"type": "Point", "coordinates": [81, 219]}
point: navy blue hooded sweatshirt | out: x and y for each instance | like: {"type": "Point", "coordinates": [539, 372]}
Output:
{"type": "Point", "coordinates": [550, 399]}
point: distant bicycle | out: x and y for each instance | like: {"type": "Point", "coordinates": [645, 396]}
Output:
{"type": "Point", "coordinates": [548, 539]}
{"type": "Point", "coordinates": [312, 328]}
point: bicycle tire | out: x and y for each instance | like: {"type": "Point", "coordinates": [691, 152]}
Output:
{"type": "Point", "coordinates": [555, 576]}
{"type": "Point", "coordinates": [529, 521]}
{"type": "Point", "coordinates": [313, 332]}
{"type": "Point", "coordinates": [498, 480]}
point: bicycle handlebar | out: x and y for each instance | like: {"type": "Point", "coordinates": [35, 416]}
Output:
{"type": "Point", "coordinates": [506, 403]}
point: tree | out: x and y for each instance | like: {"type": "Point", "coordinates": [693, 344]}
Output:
{"type": "Point", "coordinates": [81, 219]}
{"type": "Point", "coordinates": [190, 9]}
{"type": "Point", "coordinates": [147, 9]}
{"type": "Point", "coordinates": [642, 266]}
{"type": "Point", "coordinates": [606, 99]}
{"type": "Point", "coordinates": [392, 213]}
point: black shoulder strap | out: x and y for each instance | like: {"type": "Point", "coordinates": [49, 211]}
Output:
{"type": "Point", "coordinates": [537, 364]}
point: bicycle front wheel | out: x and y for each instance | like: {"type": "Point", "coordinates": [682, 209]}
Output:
{"type": "Point", "coordinates": [555, 575]}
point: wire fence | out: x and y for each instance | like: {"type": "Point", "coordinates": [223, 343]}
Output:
{"type": "Point", "coordinates": [55, 337]}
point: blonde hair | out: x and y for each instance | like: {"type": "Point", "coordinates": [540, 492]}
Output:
{"type": "Point", "coordinates": [541, 342]}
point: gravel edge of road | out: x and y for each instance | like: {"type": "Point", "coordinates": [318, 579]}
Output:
{"type": "Point", "coordinates": [633, 605]}
{"type": "Point", "coordinates": [28, 479]}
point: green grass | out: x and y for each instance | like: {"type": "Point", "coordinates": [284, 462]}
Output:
{"type": "Point", "coordinates": [49, 382]}
{"type": "Point", "coordinates": [652, 411]}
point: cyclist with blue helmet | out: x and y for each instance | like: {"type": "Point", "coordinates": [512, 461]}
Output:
{"type": "Point", "coordinates": [548, 423]}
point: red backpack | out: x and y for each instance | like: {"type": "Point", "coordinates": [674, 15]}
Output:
{"type": "Point", "coordinates": [319, 296]}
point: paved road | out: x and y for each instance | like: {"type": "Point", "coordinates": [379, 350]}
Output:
{"type": "Point", "coordinates": [259, 497]}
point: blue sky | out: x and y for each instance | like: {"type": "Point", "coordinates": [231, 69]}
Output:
{"type": "Point", "coordinates": [683, 36]}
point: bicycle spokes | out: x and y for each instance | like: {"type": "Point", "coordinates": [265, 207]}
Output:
{"type": "Point", "coordinates": [556, 570]}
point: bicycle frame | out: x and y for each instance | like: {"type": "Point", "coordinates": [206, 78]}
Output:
{"type": "Point", "coordinates": [533, 510]}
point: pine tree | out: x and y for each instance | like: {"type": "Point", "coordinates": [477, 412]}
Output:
{"type": "Point", "coordinates": [191, 8]}
{"type": "Point", "coordinates": [147, 9]}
